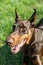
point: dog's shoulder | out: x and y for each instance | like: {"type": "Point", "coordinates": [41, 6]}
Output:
{"type": "Point", "coordinates": [38, 34]}
{"type": "Point", "coordinates": [37, 44]}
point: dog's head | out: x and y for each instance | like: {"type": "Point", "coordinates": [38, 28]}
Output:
{"type": "Point", "coordinates": [22, 33]}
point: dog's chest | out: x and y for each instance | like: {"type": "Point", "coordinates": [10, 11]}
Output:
{"type": "Point", "coordinates": [36, 46]}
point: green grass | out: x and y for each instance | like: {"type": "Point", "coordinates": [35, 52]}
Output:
{"type": "Point", "coordinates": [7, 18]}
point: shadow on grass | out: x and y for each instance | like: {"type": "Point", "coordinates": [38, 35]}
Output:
{"type": "Point", "coordinates": [7, 58]}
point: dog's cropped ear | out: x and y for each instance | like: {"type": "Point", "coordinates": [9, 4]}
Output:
{"type": "Point", "coordinates": [16, 15]}
{"type": "Point", "coordinates": [33, 17]}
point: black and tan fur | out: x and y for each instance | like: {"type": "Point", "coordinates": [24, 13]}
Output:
{"type": "Point", "coordinates": [33, 48]}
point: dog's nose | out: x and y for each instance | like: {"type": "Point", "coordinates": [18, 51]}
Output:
{"type": "Point", "coordinates": [7, 42]}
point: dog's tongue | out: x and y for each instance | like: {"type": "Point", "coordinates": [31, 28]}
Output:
{"type": "Point", "coordinates": [16, 48]}
{"type": "Point", "coordinates": [21, 44]}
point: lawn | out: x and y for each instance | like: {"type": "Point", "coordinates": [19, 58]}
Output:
{"type": "Point", "coordinates": [7, 18]}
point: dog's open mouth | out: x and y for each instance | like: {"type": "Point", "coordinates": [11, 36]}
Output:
{"type": "Point", "coordinates": [16, 49]}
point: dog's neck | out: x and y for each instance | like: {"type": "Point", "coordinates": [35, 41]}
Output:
{"type": "Point", "coordinates": [31, 35]}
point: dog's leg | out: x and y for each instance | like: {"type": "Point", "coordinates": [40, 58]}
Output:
{"type": "Point", "coordinates": [36, 60]}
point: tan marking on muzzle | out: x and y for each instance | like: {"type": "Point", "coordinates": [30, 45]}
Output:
{"type": "Point", "coordinates": [16, 39]}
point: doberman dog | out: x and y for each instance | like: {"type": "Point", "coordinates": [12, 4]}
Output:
{"type": "Point", "coordinates": [26, 34]}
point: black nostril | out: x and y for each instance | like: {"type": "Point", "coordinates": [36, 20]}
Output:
{"type": "Point", "coordinates": [9, 42]}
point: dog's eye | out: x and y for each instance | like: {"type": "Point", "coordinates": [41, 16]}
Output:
{"type": "Point", "coordinates": [22, 29]}
{"type": "Point", "coordinates": [21, 25]}
{"type": "Point", "coordinates": [14, 27]}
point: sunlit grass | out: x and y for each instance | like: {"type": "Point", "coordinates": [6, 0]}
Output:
{"type": "Point", "coordinates": [7, 18]}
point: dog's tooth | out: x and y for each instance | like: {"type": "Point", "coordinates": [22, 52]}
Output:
{"type": "Point", "coordinates": [12, 47]}
{"type": "Point", "coordinates": [15, 49]}
{"type": "Point", "coordinates": [22, 42]}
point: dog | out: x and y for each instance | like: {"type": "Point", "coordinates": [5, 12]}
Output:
{"type": "Point", "coordinates": [29, 37]}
